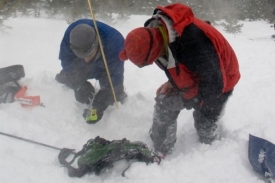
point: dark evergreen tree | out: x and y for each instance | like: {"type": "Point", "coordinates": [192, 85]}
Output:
{"type": "Point", "coordinates": [229, 11]}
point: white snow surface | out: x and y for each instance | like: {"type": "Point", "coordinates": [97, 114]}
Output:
{"type": "Point", "coordinates": [34, 43]}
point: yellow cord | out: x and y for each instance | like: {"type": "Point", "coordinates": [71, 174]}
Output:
{"type": "Point", "coordinates": [165, 38]}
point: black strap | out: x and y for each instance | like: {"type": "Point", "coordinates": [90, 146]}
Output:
{"type": "Point", "coordinates": [77, 155]}
{"type": "Point", "coordinates": [150, 47]}
{"type": "Point", "coordinates": [10, 91]}
{"type": "Point", "coordinates": [123, 173]}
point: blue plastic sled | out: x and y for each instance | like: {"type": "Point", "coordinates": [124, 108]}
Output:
{"type": "Point", "coordinates": [261, 155]}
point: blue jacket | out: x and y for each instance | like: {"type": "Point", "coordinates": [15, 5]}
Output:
{"type": "Point", "coordinates": [112, 42]}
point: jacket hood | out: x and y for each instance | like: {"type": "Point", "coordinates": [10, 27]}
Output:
{"type": "Point", "coordinates": [180, 14]}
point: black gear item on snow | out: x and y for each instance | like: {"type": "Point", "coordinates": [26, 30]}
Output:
{"type": "Point", "coordinates": [11, 73]}
{"type": "Point", "coordinates": [7, 92]}
{"type": "Point", "coordinates": [84, 93]}
{"type": "Point", "coordinates": [164, 128]}
{"type": "Point", "coordinates": [100, 153]}
{"type": "Point", "coordinates": [8, 82]}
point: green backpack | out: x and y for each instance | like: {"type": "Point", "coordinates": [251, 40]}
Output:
{"type": "Point", "coordinates": [100, 153]}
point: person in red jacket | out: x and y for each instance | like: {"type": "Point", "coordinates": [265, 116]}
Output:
{"type": "Point", "coordinates": [200, 64]}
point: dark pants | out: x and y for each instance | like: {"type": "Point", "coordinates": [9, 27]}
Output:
{"type": "Point", "coordinates": [164, 128]}
{"type": "Point", "coordinates": [206, 118]}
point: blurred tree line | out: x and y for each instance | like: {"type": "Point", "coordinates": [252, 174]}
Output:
{"type": "Point", "coordinates": [225, 12]}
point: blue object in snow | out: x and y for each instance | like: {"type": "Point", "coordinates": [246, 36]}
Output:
{"type": "Point", "coordinates": [261, 155]}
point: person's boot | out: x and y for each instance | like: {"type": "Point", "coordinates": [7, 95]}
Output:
{"type": "Point", "coordinates": [208, 138]}
{"type": "Point", "coordinates": [207, 129]}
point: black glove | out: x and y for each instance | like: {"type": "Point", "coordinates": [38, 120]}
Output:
{"type": "Point", "coordinates": [103, 99]}
{"type": "Point", "coordinates": [84, 93]}
{"type": "Point", "coordinates": [92, 116]}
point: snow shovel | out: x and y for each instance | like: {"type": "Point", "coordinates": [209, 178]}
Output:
{"type": "Point", "coordinates": [261, 155]}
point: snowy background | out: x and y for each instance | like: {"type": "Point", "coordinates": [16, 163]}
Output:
{"type": "Point", "coordinates": [34, 43]}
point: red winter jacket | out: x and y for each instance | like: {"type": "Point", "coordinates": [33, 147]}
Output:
{"type": "Point", "coordinates": [205, 64]}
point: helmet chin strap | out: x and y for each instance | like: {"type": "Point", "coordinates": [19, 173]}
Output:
{"type": "Point", "coordinates": [149, 50]}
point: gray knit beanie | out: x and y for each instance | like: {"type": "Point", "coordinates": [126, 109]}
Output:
{"type": "Point", "coordinates": [83, 40]}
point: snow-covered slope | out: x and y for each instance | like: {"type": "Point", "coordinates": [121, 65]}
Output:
{"type": "Point", "coordinates": [34, 43]}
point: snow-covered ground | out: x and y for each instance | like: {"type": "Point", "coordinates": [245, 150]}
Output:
{"type": "Point", "coordinates": [34, 43]}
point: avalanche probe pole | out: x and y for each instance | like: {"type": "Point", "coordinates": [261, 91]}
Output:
{"type": "Point", "coordinates": [31, 141]}
{"type": "Point", "coordinates": [102, 52]}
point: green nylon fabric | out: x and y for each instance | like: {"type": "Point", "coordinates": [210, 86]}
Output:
{"type": "Point", "coordinates": [97, 151]}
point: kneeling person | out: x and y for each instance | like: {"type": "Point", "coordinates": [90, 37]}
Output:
{"type": "Point", "coordinates": [81, 60]}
